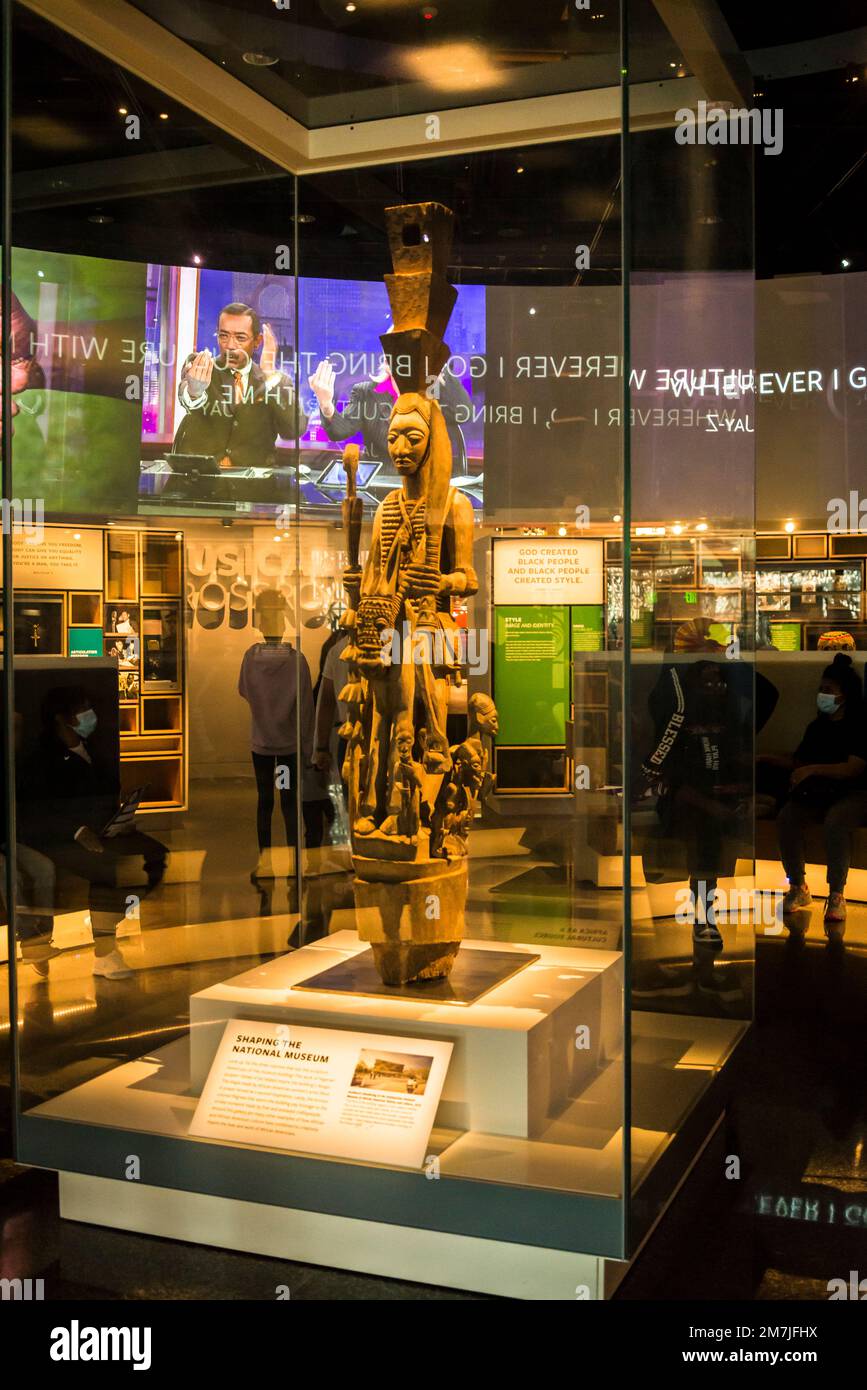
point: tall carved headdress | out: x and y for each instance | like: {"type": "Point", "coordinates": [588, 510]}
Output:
{"type": "Point", "coordinates": [421, 298]}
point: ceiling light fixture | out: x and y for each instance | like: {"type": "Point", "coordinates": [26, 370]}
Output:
{"type": "Point", "coordinates": [260, 60]}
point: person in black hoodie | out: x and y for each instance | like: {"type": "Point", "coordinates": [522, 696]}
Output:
{"type": "Point", "coordinates": [699, 768]}
{"type": "Point", "coordinates": [829, 787]}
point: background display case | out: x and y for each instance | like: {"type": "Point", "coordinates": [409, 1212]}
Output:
{"type": "Point", "coordinates": [243, 1078]}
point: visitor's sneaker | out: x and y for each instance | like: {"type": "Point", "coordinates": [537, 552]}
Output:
{"type": "Point", "coordinates": [112, 967]}
{"type": "Point", "coordinates": [835, 910]}
{"type": "Point", "coordinates": [707, 934]}
{"type": "Point", "coordinates": [797, 897]}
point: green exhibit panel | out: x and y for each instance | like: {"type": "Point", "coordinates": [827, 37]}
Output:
{"type": "Point", "coordinates": [531, 673]}
{"type": "Point", "coordinates": [85, 641]}
{"type": "Point", "coordinates": [587, 631]}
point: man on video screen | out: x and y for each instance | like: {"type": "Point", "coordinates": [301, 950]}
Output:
{"type": "Point", "coordinates": [235, 407]}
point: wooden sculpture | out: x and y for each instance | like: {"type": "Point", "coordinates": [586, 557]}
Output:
{"type": "Point", "coordinates": [411, 797]}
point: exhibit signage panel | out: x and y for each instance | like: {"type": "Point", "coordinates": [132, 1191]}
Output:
{"type": "Point", "coordinates": [62, 558]}
{"type": "Point", "coordinates": [531, 674]}
{"type": "Point", "coordinates": [366, 1096]}
{"type": "Point", "coordinates": [587, 628]}
{"type": "Point", "coordinates": [548, 571]}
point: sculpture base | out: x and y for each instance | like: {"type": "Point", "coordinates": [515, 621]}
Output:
{"type": "Point", "coordinates": [401, 962]}
{"type": "Point", "coordinates": [412, 915]}
{"type": "Point", "coordinates": [474, 975]}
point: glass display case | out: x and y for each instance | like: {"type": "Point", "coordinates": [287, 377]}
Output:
{"type": "Point", "coordinates": [430, 975]}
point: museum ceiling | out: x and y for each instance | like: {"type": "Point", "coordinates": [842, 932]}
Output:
{"type": "Point", "coordinates": [188, 187]}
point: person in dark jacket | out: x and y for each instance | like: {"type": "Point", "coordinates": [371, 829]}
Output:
{"type": "Point", "coordinates": [70, 791]}
{"type": "Point", "coordinates": [235, 407]}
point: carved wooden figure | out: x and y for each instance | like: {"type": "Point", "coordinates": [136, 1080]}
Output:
{"type": "Point", "coordinates": [404, 652]}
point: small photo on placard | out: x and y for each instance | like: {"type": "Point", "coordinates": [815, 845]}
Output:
{"type": "Point", "coordinates": [401, 1073]}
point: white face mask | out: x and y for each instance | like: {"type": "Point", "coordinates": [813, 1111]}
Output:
{"type": "Point", "coordinates": [826, 704]}
{"type": "Point", "coordinates": [85, 723]}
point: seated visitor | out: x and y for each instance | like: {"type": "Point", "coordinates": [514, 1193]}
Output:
{"type": "Point", "coordinates": [828, 786]}
{"type": "Point", "coordinates": [69, 793]}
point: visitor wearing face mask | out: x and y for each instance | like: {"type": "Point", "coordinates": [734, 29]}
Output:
{"type": "Point", "coordinates": [828, 786]}
{"type": "Point", "coordinates": [70, 791]}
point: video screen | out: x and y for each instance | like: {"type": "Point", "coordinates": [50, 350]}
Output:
{"type": "Point", "coordinates": [219, 417]}
{"type": "Point", "coordinates": [76, 389]}
{"type": "Point", "coordinates": [171, 390]}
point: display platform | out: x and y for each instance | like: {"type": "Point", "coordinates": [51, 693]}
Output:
{"type": "Point", "coordinates": [518, 1059]}
{"type": "Point", "coordinates": [473, 975]}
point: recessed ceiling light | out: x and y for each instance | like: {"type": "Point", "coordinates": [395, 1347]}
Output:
{"type": "Point", "coordinates": [100, 218]}
{"type": "Point", "coordinates": [197, 260]}
{"type": "Point", "coordinates": [305, 218]}
{"type": "Point", "coordinates": [845, 263]}
{"type": "Point", "coordinates": [122, 111]}
{"type": "Point", "coordinates": [350, 8]}
{"type": "Point", "coordinates": [164, 115]}
{"type": "Point", "coordinates": [260, 60]}
{"type": "Point", "coordinates": [532, 311]}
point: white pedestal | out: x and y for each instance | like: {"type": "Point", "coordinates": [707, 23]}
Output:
{"type": "Point", "coordinates": [515, 1062]}
{"type": "Point", "coordinates": [373, 1247]}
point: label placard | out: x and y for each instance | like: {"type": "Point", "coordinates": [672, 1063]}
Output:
{"type": "Point", "coordinates": [366, 1096]}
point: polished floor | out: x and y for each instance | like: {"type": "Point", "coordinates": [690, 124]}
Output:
{"type": "Point", "coordinates": [794, 1218]}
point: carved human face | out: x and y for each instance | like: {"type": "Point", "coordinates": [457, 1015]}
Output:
{"type": "Point", "coordinates": [408, 439]}
{"type": "Point", "coordinates": [486, 719]}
